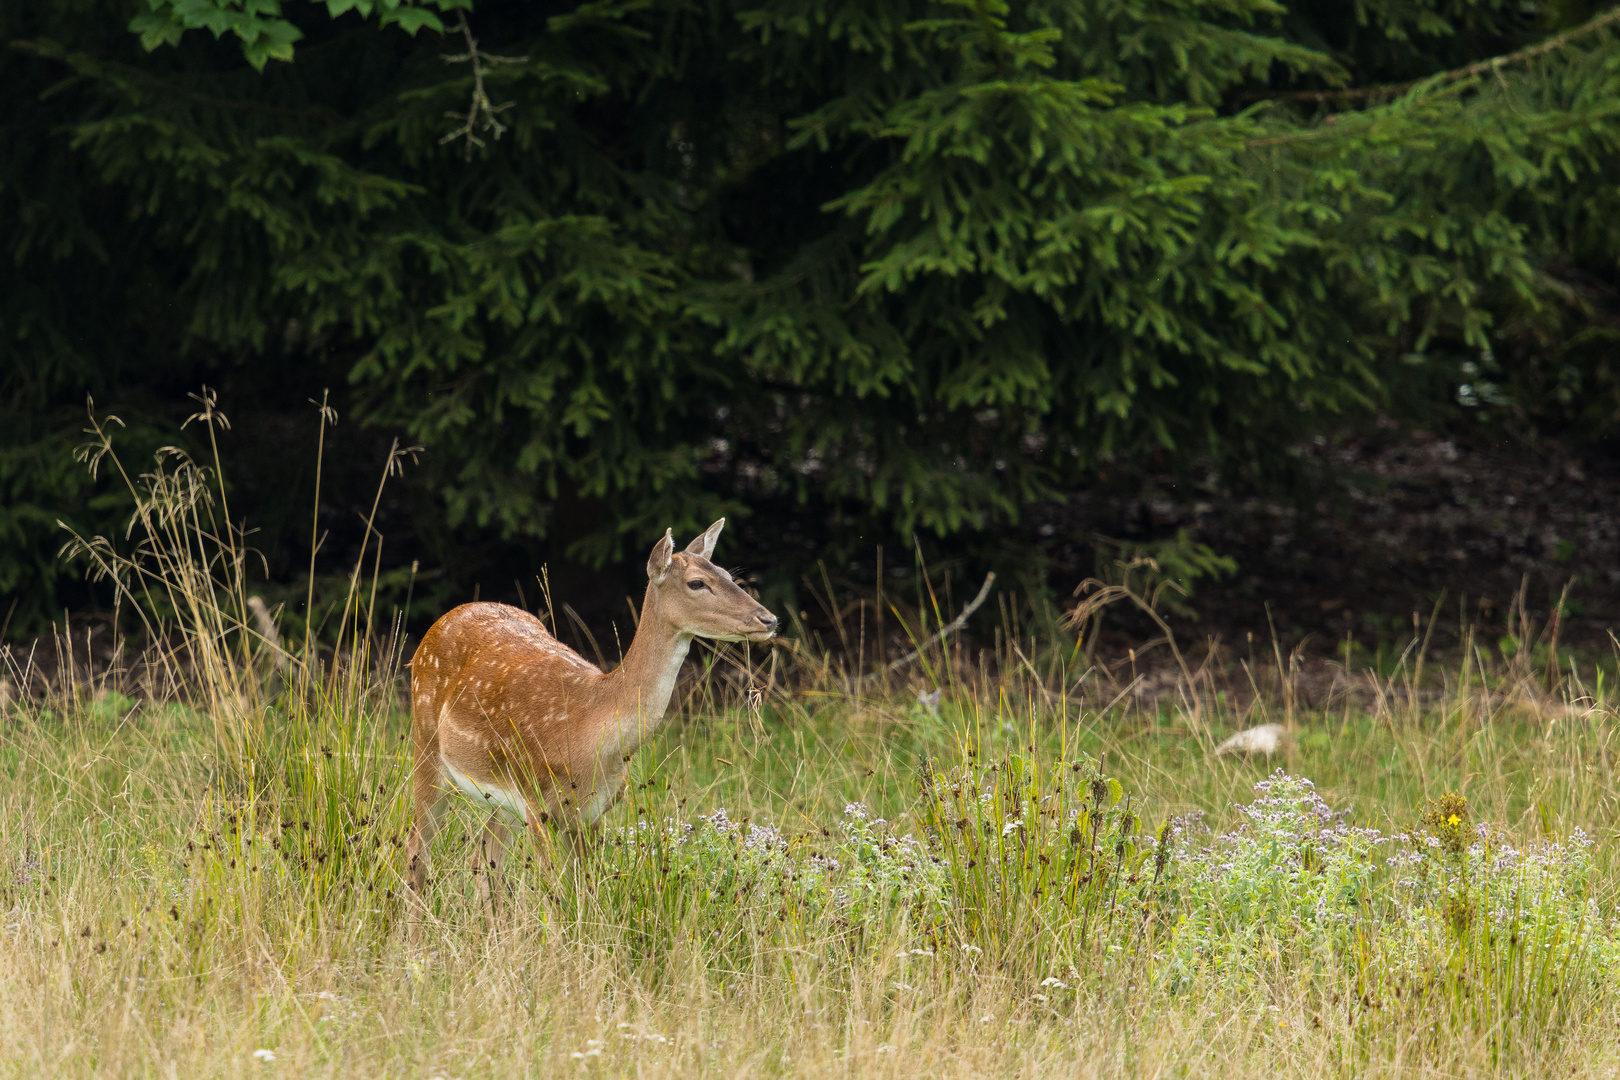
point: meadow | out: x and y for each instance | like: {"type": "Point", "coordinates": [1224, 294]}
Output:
{"type": "Point", "coordinates": [996, 862]}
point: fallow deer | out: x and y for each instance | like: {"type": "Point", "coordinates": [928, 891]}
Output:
{"type": "Point", "coordinates": [521, 723]}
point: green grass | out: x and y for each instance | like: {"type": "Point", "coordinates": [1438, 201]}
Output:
{"type": "Point", "coordinates": [128, 954]}
{"type": "Point", "coordinates": [201, 864]}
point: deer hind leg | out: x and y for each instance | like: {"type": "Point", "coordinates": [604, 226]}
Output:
{"type": "Point", "coordinates": [428, 808]}
{"type": "Point", "coordinates": [488, 854]}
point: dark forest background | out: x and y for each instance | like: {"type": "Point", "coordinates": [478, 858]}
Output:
{"type": "Point", "coordinates": [1314, 302]}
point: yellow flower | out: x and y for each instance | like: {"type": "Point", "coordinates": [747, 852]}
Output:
{"type": "Point", "coordinates": [1453, 820]}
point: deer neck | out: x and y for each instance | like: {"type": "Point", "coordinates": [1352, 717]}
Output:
{"type": "Point", "coordinates": [639, 689]}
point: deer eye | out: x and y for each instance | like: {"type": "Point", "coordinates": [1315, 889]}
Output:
{"type": "Point", "coordinates": [696, 585]}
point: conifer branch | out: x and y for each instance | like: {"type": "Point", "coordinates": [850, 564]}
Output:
{"type": "Point", "coordinates": [480, 114]}
{"type": "Point", "coordinates": [1495, 64]}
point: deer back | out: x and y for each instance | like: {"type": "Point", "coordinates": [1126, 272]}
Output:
{"type": "Point", "coordinates": [505, 704]}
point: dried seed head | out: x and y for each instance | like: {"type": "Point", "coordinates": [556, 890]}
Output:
{"type": "Point", "coordinates": [1161, 854]}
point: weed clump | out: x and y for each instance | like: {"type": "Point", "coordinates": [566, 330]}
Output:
{"type": "Point", "coordinates": [1450, 928]}
{"type": "Point", "coordinates": [1040, 859]}
{"type": "Point", "coordinates": [1447, 821]}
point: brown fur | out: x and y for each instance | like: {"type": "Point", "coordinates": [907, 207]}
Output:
{"type": "Point", "coordinates": [529, 722]}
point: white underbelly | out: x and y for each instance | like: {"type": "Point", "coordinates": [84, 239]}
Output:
{"type": "Point", "coordinates": [594, 805]}
{"type": "Point", "coordinates": [509, 803]}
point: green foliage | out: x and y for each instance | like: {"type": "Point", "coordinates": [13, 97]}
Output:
{"type": "Point", "coordinates": [258, 24]}
{"type": "Point", "coordinates": [1447, 820]}
{"type": "Point", "coordinates": [1294, 871]}
{"type": "Point", "coordinates": [1451, 930]}
{"type": "Point", "coordinates": [1500, 940]}
{"type": "Point", "coordinates": [1161, 571]}
{"type": "Point", "coordinates": [868, 268]}
{"type": "Point", "coordinates": [747, 886]}
{"type": "Point", "coordinates": [1049, 857]}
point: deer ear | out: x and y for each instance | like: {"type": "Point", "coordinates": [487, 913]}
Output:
{"type": "Point", "coordinates": [658, 561]}
{"type": "Point", "coordinates": [704, 544]}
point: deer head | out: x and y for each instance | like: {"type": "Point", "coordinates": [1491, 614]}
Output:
{"type": "Point", "coordinates": [693, 596]}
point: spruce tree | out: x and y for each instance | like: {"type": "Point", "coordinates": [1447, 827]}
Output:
{"type": "Point", "coordinates": [876, 267]}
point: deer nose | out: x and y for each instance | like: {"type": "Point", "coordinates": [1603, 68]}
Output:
{"type": "Point", "coordinates": [767, 620]}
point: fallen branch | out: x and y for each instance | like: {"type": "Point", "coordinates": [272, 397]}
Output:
{"type": "Point", "coordinates": [949, 628]}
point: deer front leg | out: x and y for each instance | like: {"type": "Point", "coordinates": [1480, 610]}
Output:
{"type": "Point", "coordinates": [488, 854]}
